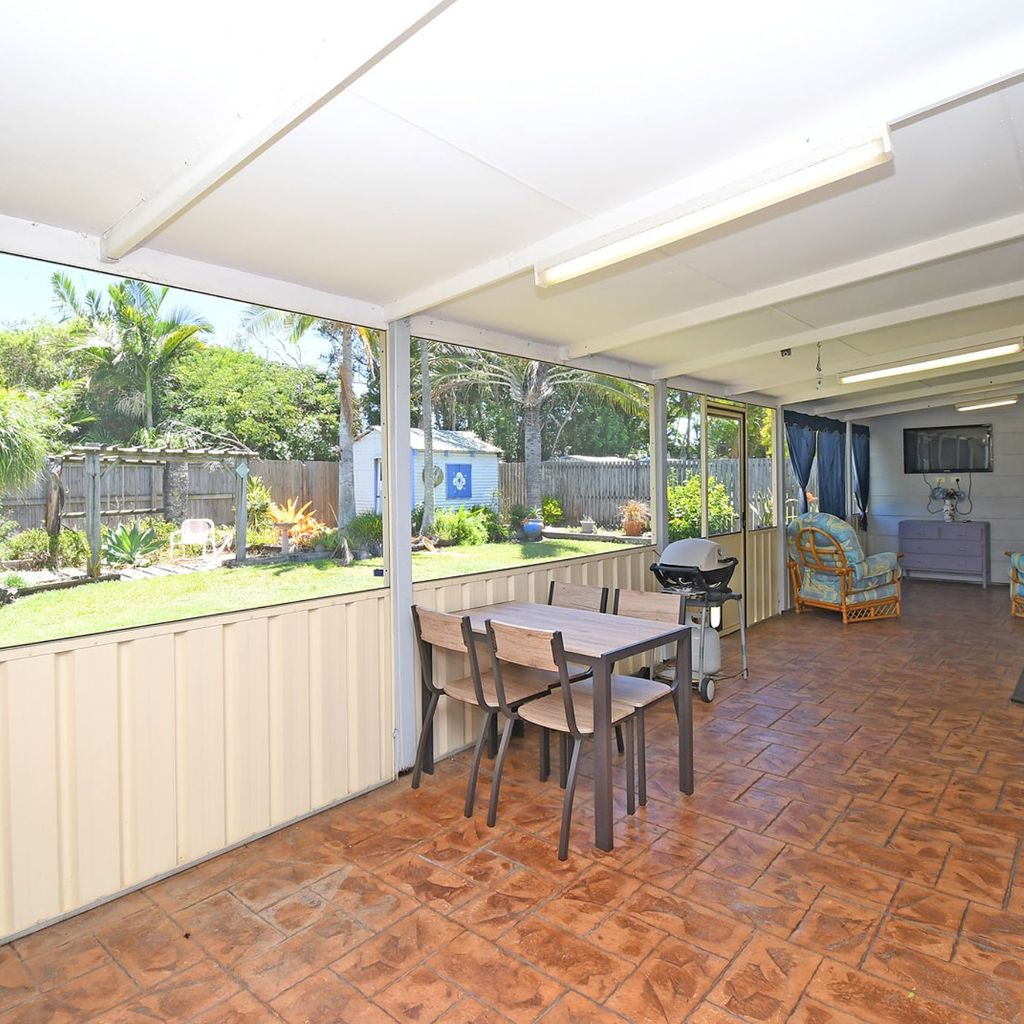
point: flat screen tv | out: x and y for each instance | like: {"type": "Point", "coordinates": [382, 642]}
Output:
{"type": "Point", "coordinates": [966, 449]}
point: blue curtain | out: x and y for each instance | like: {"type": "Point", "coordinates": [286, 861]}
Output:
{"type": "Point", "coordinates": [801, 436]}
{"type": "Point", "coordinates": [832, 471]}
{"type": "Point", "coordinates": [862, 470]}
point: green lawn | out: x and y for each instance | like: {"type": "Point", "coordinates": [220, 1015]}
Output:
{"type": "Point", "coordinates": [116, 605]}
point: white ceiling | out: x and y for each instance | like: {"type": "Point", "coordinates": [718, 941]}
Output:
{"type": "Point", "coordinates": [451, 156]}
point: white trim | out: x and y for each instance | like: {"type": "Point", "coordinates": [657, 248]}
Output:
{"type": "Point", "coordinates": [659, 464]}
{"type": "Point", "coordinates": [76, 249]}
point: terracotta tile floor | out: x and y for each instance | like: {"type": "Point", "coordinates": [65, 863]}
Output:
{"type": "Point", "coordinates": [852, 853]}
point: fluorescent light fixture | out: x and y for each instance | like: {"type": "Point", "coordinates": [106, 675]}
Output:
{"type": "Point", "coordinates": [957, 359]}
{"type": "Point", "coordinates": [830, 166]}
{"type": "Point", "coordinates": [991, 403]}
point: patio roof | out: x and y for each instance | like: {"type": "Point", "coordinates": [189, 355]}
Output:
{"type": "Point", "coordinates": [408, 161]}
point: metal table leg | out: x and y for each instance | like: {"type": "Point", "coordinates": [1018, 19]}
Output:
{"type": "Point", "coordinates": [603, 837]}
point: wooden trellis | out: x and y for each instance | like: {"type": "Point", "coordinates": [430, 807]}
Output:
{"type": "Point", "coordinates": [99, 459]}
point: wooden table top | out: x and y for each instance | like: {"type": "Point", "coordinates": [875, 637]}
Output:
{"type": "Point", "coordinates": [588, 635]}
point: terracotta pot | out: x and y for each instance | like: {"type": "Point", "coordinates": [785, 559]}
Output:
{"type": "Point", "coordinates": [633, 527]}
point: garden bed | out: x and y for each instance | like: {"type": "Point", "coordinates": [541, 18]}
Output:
{"type": "Point", "coordinates": [600, 536]}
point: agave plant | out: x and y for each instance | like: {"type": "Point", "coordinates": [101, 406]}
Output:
{"type": "Point", "coordinates": [133, 546]}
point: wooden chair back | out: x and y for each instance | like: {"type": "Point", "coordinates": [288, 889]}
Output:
{"type": "Point", "coordinates": [449, 633]}
{"type": "Point", "coordinates": [643, 604]}
{"type": "Point", "coordinates": [580, 596]}
{"type": "Point", "coordinates": [531, 648]}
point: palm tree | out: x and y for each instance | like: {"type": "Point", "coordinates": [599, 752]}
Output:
{"type": "Point", "coordinates": [23, 439]}
{"type": "Point", "coordinates": [345, 340]}
{"type": "Point", "coordinates": [132, 341]}
{"type": "Point", "coordinates": [528, 384]}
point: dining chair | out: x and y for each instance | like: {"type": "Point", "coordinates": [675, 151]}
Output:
{"type": "Point", "coordinates": [568, 710]}
{"type": "Point", "coordinates": [635, 691]}
{"type": "Point", "coordinates": [455, 633]}
{"type": "Point", "coordinates": [584, 598]}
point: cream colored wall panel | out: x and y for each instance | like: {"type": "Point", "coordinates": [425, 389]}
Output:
{"type": "Point", "coordinates": [31, 772]}
{"type": "Point", "coordinates": [90, 802]}
{"type": "Point", "coordinates": [288, 658]}
{"type": "Point", "coordinates": [333, 664]}
{"type": "Point", "coordinates": [6, 888]}
{"type": "Point", "coordinates": [199, 737]}
{"type": "Point", "coordinates": [762, 585]}
{"type": "Point", "coordinates": [149, 806]}
{"type": "Point", "coordinates": [363, 633]}
{"type": "Point", "coordinates": [246, 729]}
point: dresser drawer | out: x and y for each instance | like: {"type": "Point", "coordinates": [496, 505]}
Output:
{"type": "Point", "coordinates": [942, 563]}
{"type": "Point", "coordinates": [968, 549]}
{"type": "Point", "coordinates": [962, 531]}
{"type": "Point", "coordinates": [919, 528]}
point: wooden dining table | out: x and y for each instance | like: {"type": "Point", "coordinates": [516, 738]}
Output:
{"type": "Point", "coordinates": [600, 640]}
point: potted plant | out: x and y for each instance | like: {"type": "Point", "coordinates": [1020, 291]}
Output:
{"type": "Point", "coordinates": [635, 516]}
{"type": "Point", "coordinates": [587, 524]}
{"type": "Point", "coordinates": [533, 525]}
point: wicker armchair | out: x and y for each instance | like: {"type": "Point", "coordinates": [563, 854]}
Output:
{"type": "Point", "coordinates": [828, 569]}
{"type": "Point", "coordinates": [1016, 583]}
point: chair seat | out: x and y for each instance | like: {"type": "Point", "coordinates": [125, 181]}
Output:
{"type": "Point", "coordinates": [578, 672]}
{"type": "Point", "coordinates": [520, 684]}
{"type": "Point", "coordinates": [549, 712]}
{"type": "Point", "coordinates": [631, 690]}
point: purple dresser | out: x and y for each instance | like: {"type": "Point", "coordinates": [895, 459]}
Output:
{"type": "Point", "coordinates": [950, 551]}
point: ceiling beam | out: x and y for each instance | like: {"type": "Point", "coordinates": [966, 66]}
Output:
{"type": "Point", "coordinates": [938, 402]}
{"type": "Point", "coordinates": [991, 382]}
{"type": "Point", "coordinates": [203, 172]}
{"type": "Point", "coordinates": [957, 243]}
{"type": "Point", "coordinates": [874, 322]}
{"type": "Point", "coordinates": [453, 332]}
{"type": "Point", "coordinates": [804, 388]}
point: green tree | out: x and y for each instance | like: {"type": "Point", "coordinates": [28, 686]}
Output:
{"type": "Point", "coordinates": [279, 411]}
{"type": "Point", "coordinates": [23, 439]}
{"type": "Point", "coordinates": [131, 341]}
{"type": "Point", "coordinates": [351, 348]}
{"type": "Point", "coordinates": [684, 519]}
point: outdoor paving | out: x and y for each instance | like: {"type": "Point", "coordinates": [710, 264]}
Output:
{"type": "Point", "coordinates": [852, 854]}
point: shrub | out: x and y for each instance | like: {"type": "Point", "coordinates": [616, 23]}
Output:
{"type": "Point", "coordinates": [417, 520]}
{"type": "Point", "coordinates": [129, 545]}
{"type": "Point", "coordinates": [258, 502]}
{"type": "Point", "coordinates": [684, 509]}
{"type": "Point", "coordinates": [34, 546]}
{"type": "Point", "coordinates": [497, 530]}
{"type": "Point", "coordinates": [13, 581]}
{"type": "Point", "coordinates": [257, 537]}
{"type": "Point", "coordinates": [460, 526]}
{"type": "Point", "coordinates": [551, 511]}
{"type": "Point", "coordinates": [516, 515]}
{"type": "Point", "coordinates": [365, 533]}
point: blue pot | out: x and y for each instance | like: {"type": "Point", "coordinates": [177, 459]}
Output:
{"type": "Point", "coordinates": [533, 529]}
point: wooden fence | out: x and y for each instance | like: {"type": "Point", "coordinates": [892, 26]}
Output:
{"type": "Point", "coordinates": [599, 489]}
{"type": "Point", "coordinates": [209, 491]}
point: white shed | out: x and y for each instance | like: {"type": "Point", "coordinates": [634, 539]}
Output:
{"type": "Point", "coordinates": [465, 469]}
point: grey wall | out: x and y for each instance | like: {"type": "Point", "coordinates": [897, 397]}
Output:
{"type": "Point", "coordinates": [998, 496]}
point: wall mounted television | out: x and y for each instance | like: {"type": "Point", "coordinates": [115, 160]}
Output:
{"type": "Point", "coordinates": [966, 449]}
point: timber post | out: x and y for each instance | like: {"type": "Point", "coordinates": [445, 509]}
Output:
{"type": "Point", "coordinates": [241, 508]}
{"type": "Point", "coordinates": [92, 512]}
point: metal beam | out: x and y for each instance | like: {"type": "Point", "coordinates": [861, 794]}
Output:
{"type": "Point", "coordinates": [203, 172]}
{"type": "Point", "coordinates": [659, 464]}
{"type": "Point", "coordinates": [874, 322]}
{"type": "Point", "coordinates": [397, 507]}
{"type": "Point", "coordinates": [971, 239]}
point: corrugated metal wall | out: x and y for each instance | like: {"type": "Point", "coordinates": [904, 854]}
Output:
{"type": "Point", "coordinates": [125, 756]}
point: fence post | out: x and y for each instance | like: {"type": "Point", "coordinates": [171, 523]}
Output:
{"type": "Point", "coordinates": [92, 512]}
{"type": "Point", "coordinates": [241, 508]}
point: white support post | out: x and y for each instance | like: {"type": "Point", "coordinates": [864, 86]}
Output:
{"type": "Point", "coordinates": [779, 452]}
{"type": "Point", "coordinates": [659, 464]}
{"type": "Point", "coordinates": [703, 465]}
{"type": "Point", "coordinates": [396, 503]}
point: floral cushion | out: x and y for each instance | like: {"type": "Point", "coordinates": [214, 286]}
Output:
{"type": "Point", "coordinates": [827, 588]}
{"type": "Point", "coordinates": [1017, 562]}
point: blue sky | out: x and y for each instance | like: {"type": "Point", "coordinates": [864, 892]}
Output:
{"type": "Point", "coordinates": [25, 295]}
